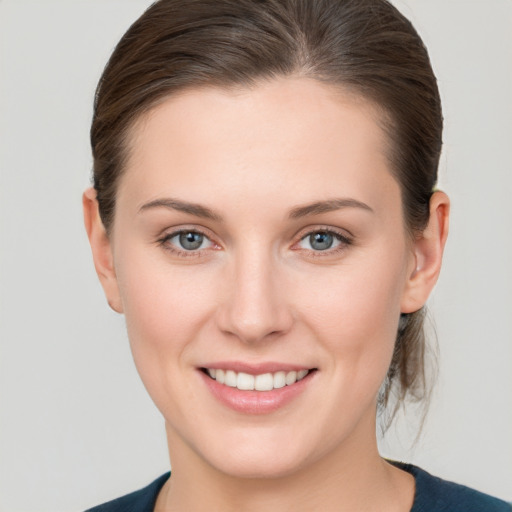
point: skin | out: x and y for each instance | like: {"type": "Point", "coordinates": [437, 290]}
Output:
{"type": "Point", "coordinates": [257, 290]}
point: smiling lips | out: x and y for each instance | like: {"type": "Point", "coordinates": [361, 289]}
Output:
{"type": "Point", "coordinates": [262, 391]}
{"type": "Point", "coordinates": [262, 382]}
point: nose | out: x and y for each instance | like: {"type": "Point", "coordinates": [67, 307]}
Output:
{"type": "Point", "coordinates": [255, 306]}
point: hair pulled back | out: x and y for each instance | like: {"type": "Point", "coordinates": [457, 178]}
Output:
{"type": "Point", "coordinates": [365, 46]}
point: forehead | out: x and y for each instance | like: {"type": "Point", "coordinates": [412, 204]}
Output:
{"type": "Point", "coordinates": [293, 134]}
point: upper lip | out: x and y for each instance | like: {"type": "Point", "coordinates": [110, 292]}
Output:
{"type": "Point", "coordinates": [255, 368]}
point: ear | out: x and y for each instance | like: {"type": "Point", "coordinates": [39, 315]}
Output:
{"type": "Point", "coordinates": [428, 254]}
{"type": "Point", "coordinates": [101, 249]}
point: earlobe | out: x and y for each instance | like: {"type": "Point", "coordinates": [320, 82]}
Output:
{"type": "Point", "coordinates": [428, 254]}
{"type": "Point", "coordinates": [101, 249]}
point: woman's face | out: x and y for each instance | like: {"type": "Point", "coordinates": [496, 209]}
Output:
{"type": "Point", "coordinates": [259, 231]}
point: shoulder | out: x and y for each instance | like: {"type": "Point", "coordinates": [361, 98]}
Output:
{"type": "Point", "coordinates": [142, 500]}
{"type": "Point", "coordinates": [434, 494]}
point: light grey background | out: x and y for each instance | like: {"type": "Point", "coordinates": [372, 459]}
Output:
{"type": "Point", "coordinates": [76, 426]}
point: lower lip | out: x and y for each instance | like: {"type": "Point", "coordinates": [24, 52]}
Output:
{"type": "Point", "coordinates": [256, 402]}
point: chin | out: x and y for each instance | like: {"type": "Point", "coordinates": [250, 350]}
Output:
{"type": "Point", "coordinates": [256, 466]}
{"type": "Point", "coordinates": [259, 454]}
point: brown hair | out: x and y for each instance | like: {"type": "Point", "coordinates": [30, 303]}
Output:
{"type": "Point", "coordinates": [366, 46]}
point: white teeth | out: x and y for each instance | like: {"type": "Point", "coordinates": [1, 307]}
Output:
{"type": "Point", "coordinates": [301, 374]}
{"type": "Point", "coordinates": [245, 381]}
{"type": "Point", "coordinates": [220, 376]}
{"type": "Point", "coordinates": [279, 380]}
{"type": "Point", "coordinates": [262, 382]}
{"type": "Point", "coordinates": [230, 378]}
{"type": "Point", "coordinates": [291, 377]}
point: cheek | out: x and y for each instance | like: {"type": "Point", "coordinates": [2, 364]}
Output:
{"type": "Point", "coordinates": [158, 298]}
{"type": "Point", "coordinates": [355, 316]}
{"type": "Point", "coordinates": [164, 306]}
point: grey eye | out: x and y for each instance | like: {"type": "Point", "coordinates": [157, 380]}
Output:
{"type": "Point", "coordinates": [318, 241]}
{"type": "Point", "coordinates": [184, 242]}
{"type": "Point", "coordinates": [321, 241]}
{"type": "Point", "coordinates": [190, 241]}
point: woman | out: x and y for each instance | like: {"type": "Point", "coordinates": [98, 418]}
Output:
{"type": "Point", "coordinates": [264, 214]}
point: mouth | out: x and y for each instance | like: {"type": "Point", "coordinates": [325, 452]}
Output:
{"type": "Point", "coordinates": [260, 382]}
{"type": "Point", "coordinates": [257, 388]}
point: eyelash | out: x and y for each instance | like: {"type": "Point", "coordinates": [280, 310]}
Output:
{"type": "Point", "coordinates": [164, 242]}
{"type": "Point", "coordinates": [343, 239]}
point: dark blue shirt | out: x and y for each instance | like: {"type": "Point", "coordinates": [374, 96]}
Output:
{"type": "Point", "coordinates": [432, 495]}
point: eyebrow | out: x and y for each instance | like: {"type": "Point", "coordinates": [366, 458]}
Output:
{"type": "Point", "coordinates": [182, 206]}
{"type": "Point", "coordinates": [329, 205]}
{"type": "Point", "coordinates": [204, 212]}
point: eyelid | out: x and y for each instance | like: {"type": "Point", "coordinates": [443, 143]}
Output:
{"type": "Point", "coordinates": [345, 234]}
{"type": "Point", "coordinates": [342, 235]}
{"type": "Point", "coordinates": [166, 235]}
